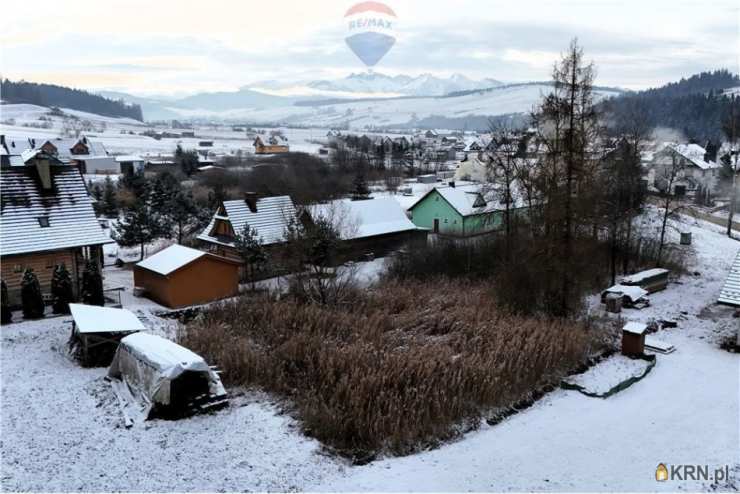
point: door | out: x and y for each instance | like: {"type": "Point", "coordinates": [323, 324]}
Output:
{"type": "Point", "coordinates": [436, 225]}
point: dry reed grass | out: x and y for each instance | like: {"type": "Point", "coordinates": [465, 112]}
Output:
{"type": "Point", "coordinates": [408, 364]}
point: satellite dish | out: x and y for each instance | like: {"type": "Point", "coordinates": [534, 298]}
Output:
{"type": "Point", "coordinates": [370, 31]}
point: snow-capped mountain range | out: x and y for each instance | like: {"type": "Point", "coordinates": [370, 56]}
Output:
{"type": "Point", "coordinates": [422, 85]}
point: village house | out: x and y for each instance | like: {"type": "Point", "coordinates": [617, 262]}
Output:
{"type": "Point", "coordinates": [459, 211]}
{"type": "Point", "coordinates": [694, 171]}
{"type": "Point", "coordinates": [269, 216]}
{"type": "Point", "coordinates": [273, 144]}
{"type": "Point", "coordinates": [373, 226]}
{"type": "Point", "coordinates": [47, 219]}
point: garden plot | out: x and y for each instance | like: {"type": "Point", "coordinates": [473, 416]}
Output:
{"type": "Point", "coordinates": [609, 374]}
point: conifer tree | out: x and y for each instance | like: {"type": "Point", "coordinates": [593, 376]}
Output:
{"type": "Point", "coordinates": [61, 290]}
{"type": "Point", "coordinates": [31, 297]}
{"type": "Point", "coordinates": [92, 284]}
{"type": "Point", "coordinates": [5, 315]}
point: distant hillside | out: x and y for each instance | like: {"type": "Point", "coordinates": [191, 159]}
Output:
{"type": "Point", "coordinates": [693, 106]}
{"type": "Point", "coordinates": [64, 97]}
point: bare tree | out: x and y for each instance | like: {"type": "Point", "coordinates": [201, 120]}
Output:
{"type": "Point", "coordinates": [669, 175]}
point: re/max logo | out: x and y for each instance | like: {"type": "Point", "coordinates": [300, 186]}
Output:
{"type": "Point", "coordinates": [370, 22]}
{"type": "Point", "coordinates": [692, 472]}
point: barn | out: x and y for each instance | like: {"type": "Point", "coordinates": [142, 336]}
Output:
{"type": "Point", "coordinates": [179, 276]}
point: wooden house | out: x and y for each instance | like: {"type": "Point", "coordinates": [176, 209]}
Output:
{"type": "Point", "coordinates": [269, 216]}
{"type": "Point", "coordinates": [179, 276]}
{"type": "Point", "coordinates": [271, 145]}
{"type": "Point", "coordinates": [47, 219]}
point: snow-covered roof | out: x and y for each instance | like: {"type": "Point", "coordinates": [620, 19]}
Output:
{"type": "Point", "coordinates": [635, 327]}
{"type": "Point", "coordinates": [692, 153]}
{"type": "Point", "coordinates": [170, 259]}
{"type": "Point", "coordinates": [271, 219]}
{"type": "Point", "coordinates": [470, 199]}
{"type": "Point", "coordinates": [368, 218]}
{"type": "Point", "coordinates": [129, 157]}
{"type": "Point", "coordinates": [638, 278]}
{"type": "Point", "coordinates": [95, 319]}
{"type": "Point", "coordinates": [634, 293]}
{"type": "Point", "coordinates": [169, 358]}
{"type": "Point", "coordinates": [730, 293]}
{"type": "Point", "coordinates": [67, 206]}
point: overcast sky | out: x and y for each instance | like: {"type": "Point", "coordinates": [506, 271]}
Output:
{"type": "Point", "coordinates": [181, 47]}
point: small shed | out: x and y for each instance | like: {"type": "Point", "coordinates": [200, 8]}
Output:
{"type": "Point", "coordinates": [631, 295]}
{"type": "Point", "coordinates": [158, 377]}
{"type": "Point", "coordinates": [633, 338]}
{"type": "Point", "coordinates": [96, 332]}
{"type": "Point", "coordinates": [179, 276]}
{"type": "Point", "coordinates": [652, 280]}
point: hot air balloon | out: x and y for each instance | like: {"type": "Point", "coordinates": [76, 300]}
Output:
{"type": "Point", "coordinates": [370, 31]}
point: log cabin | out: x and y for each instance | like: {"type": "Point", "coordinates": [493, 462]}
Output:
{"type": "Point", "coordinates": [46, 219]}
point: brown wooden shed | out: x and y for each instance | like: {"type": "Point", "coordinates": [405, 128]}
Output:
{"type": "Point", "coordinates": [179, 276]}
{"type": "Point", "coordinates": [633, 339]}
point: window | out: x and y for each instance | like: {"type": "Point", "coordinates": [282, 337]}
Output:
{"type": "Point", "coordinates": [49, 263]}
{"type": "Point", "coordinates": [43, 221]}
{"type": "Point", "coordinates": [18, 268]}
{"type": "Point", "coordinates": [445, 220]}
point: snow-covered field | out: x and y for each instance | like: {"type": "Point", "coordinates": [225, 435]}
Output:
{"type": "Point", "coordinates": [114, 134]}
{"type": "Point", "coordinates": [398, 112]}
{"type": "Point", "coordinates": [62, 431]}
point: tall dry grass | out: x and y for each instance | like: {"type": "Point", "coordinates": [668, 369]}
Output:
{"type": "Point", "coordinates": [408, 364]}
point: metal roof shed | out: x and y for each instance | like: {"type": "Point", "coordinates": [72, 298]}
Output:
{"type": "Point", "coordinates": [96, 332]}
{"type": "Point", "coordinates": [730, 294]}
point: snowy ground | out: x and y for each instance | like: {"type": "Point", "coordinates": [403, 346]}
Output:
{"type": "Point", "coordinates": [61, 431]}
{"type": "Point", "coordinates": [609, 373]}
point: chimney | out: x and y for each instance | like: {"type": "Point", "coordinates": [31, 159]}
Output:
{"type": "Point", "coordinates": [251, 199]}
{"type": "Point", "coordinates": [43, 167]}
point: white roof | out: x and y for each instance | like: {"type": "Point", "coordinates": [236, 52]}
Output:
{"type": "Point", "coordinates": [72, 221]}
{"type": "Point", "coordinates": [271, 219]}
{"type": "Point", "coordinates": [730, 293]}
{"type": "Point", "coordinates": [693, 153]}
{"type": "Point", "coordinates": [635, 327]}
{"type": "Point", "coordinates": [129, 157]}
{"type": "Point", "coordinates": [95, 319]}
{"type": "Point", "coordinates": [635, 293]}
{"type": "Point", "coordinates": [463, 199]}
{"type": "Point", "coordinates": [360, 219]}
{"type": "Point", "coordinates": [167, 356]}
{"type": "Point", "coordinates": [643, 275]}
{"type": "Point", "coordinates": [170, 259]}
